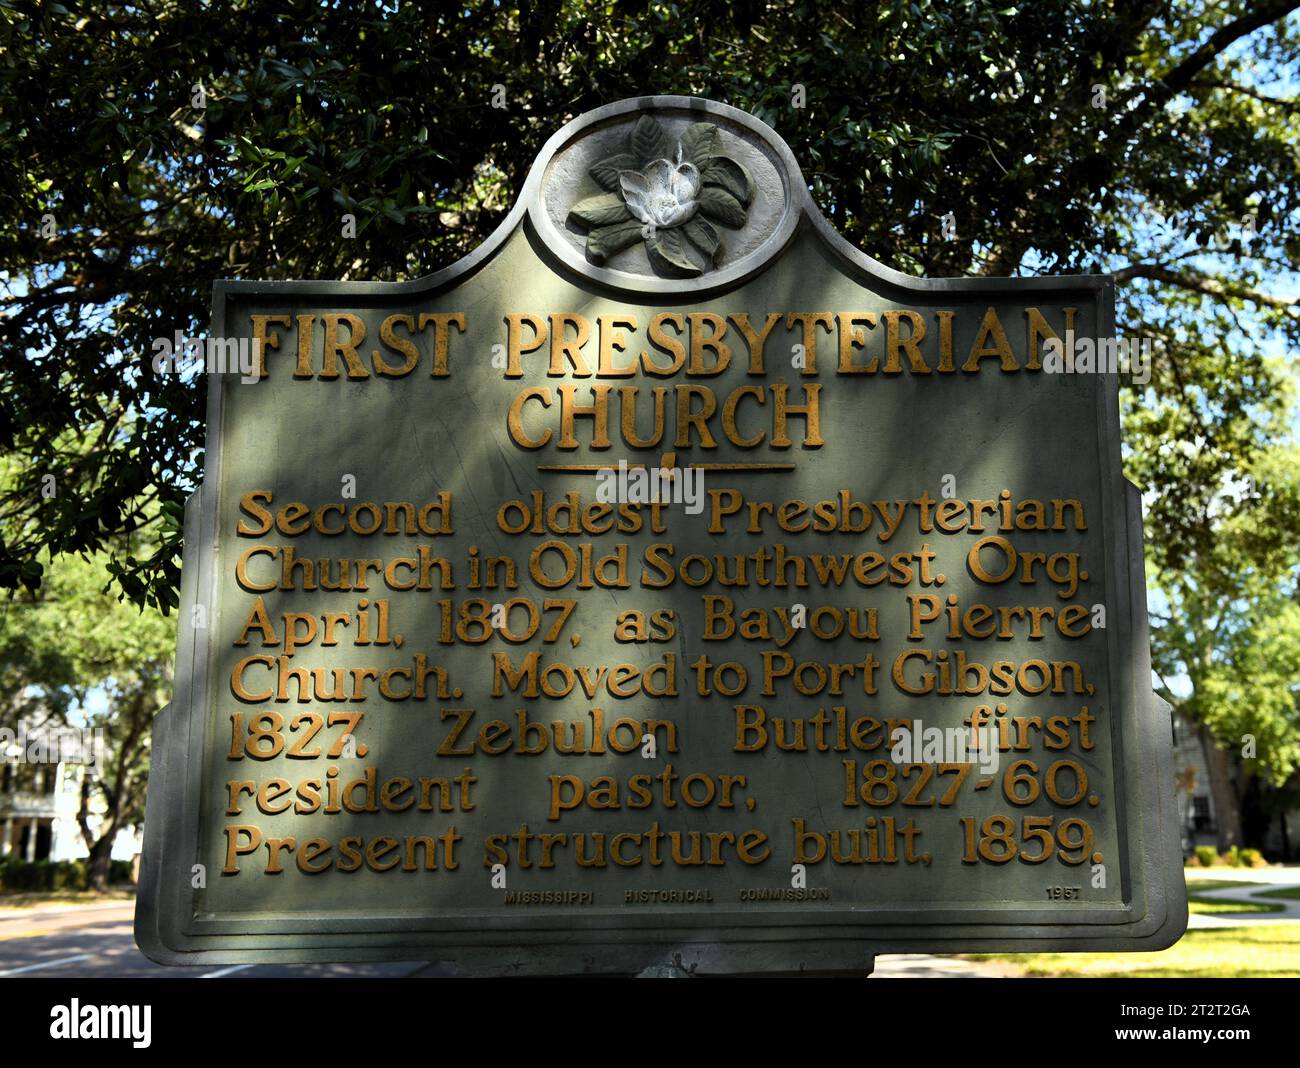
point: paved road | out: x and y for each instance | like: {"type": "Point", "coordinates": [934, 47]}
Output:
{"type": "Point", "coordinates": [96, 941]}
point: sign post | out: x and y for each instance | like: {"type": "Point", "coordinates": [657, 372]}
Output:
{"type": "Point", "coordinates": [666, 585]}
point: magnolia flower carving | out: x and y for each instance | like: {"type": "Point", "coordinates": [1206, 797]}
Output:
{"type": "Point", "coordinates": [672, 197]}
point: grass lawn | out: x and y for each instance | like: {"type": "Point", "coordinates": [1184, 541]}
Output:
{"type": "Point", "coordinates": [1290, 893]}
{"type": "Point", "coordinates": [1236, 953]}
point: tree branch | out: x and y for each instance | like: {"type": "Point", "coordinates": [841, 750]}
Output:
{"type": "Point", "coordinates": [1292, 106]}
{"type": "Point", "coordinates": [1181, 76]}
{"type": "Point", "coordinates": [1200, 283]}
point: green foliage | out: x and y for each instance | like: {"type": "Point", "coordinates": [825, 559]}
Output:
{"type": "Point", "coordinates": [17, 874]}
{"type": "Point", "coordinates": [1207, 856]}
{"type": "Point", "coordinates": [985, 110]}
{"type": "Point", "coordinates": [88, 639]}
{"type": "Point", "coordinates": [1227, 619]}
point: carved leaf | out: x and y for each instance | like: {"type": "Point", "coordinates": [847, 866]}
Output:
{"type": "Point", "coordinates": [668, 255]}
{"type": "Point", "coordinates": [726, 173]}
{"type": "Point", "coordinates": [721, 206]}
{"type": "Point", "coordinates": [699, 142]}
{"type": "Point", "coordinates": [607, 240]}
{"type": "Point", "coordinates": [649, 142]}
{"type": "Point", "coordinates": [603, 210]}
{"type": "Point", "coordinates": [700, 233]}
{"type": "Point", "coordinates": [606, 171]}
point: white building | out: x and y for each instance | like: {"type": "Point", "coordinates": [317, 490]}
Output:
{"type": "Point", "coordinates": [38, 808]}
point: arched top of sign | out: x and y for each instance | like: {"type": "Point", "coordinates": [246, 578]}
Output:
{"type": "Point", "coordinates": [670, 196]}
{"type": "Point", "coordinates": [665, 194]}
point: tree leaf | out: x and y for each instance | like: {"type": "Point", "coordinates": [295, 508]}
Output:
{"type": "Point", "coordinates": [668, 255]}
{"type": "Point", "coordinates": [721, 206]}
{"type": "Point", "coordinates": [606, 171]}
{"type": "Point", "coordinates": [602, 210]}
{"type": "Point", "coordinates": [649, 141]}
{"type": "Point", "coordinates": [607, 240]}
{"type": "Point", "coordinates": [700, 233]}
{"type": "Point", "coordinates": [726, 173]}
{"type": "Point", "coordinates": [699, 142]}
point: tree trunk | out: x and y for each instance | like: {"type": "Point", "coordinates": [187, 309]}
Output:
{"type": "Point", "coordinates": [1227, 810]}
{"type": "Point", "coordinates": [100, 863]}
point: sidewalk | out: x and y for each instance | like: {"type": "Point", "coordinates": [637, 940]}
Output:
{"type": "Point", "coordinates": [1273, 877]}
{"type": "Point", "coordinates": [922, 966]}
{"type": "Point", "coordinates": [30, 922]}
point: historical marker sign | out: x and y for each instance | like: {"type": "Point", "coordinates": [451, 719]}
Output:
{"type": "Point", "coordinates": [664, 582]}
